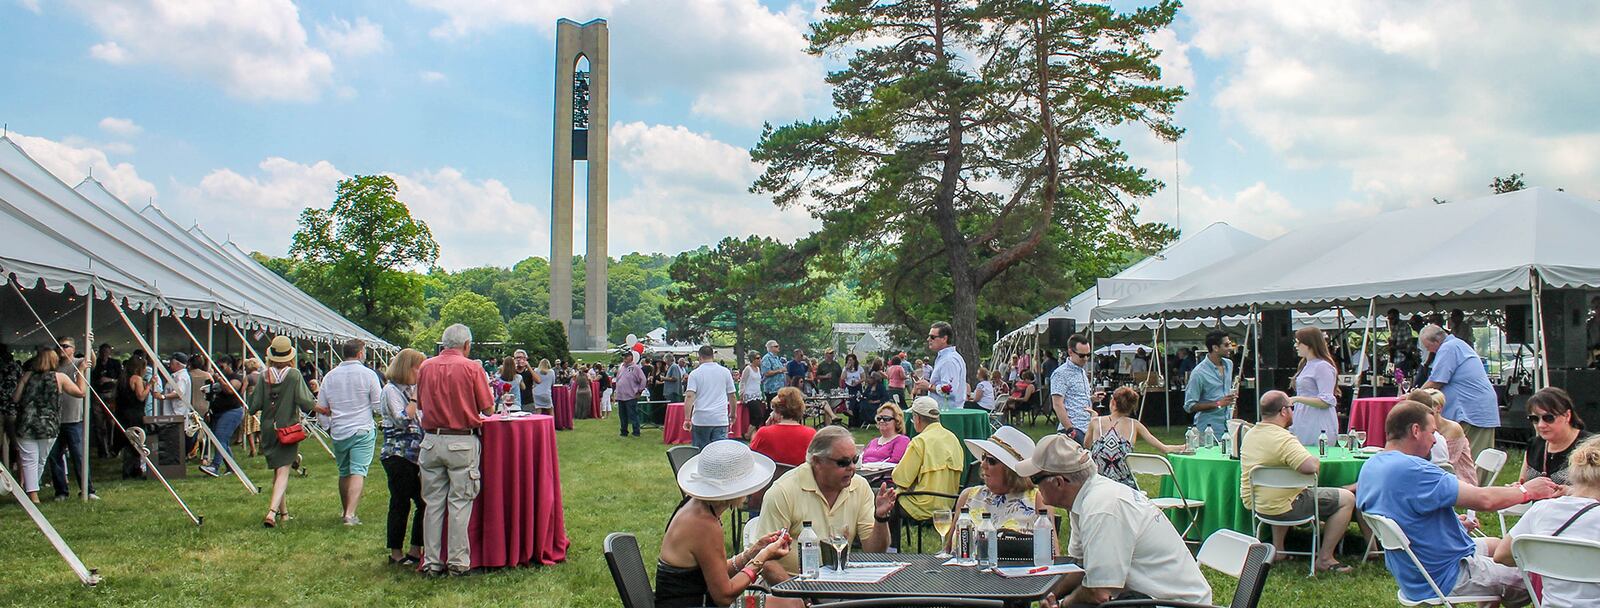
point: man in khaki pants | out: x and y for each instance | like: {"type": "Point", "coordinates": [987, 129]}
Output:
{"type": "Point", "coordinates": [452, 392]}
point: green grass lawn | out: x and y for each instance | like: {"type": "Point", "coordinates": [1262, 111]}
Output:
{"type": "Point", "coordinates": [151, 555]}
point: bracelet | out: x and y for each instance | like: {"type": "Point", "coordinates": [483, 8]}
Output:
{"type": "Point", "coordinates": [884, 519]}
{"type": "Point", "coordinates": [750, 572]}
{"type": "Point", "coordinates": [1526, 497]}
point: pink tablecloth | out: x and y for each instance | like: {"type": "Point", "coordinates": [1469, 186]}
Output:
{"type": "Point", "coordinates": [517, 519]}
{"type": "Point", "coordinates": [561, 399]}
{"type": "Point", "coordinates": [594, 390]}
{"type": "Point", "coordinates": [1368, 413]}
{"type": "Point", "coordinates": [672, 428]}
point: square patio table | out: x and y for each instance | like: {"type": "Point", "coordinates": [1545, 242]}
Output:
{"type": "Point", "coordinates": [916, 580]}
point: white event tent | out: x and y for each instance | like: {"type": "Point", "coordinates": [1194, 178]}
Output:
{"type": "Point", "coordinates": [1488, 249]}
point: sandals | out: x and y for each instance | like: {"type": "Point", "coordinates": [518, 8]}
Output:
{"type": "Point", "coordinates": [1335, 567]}
{"type": "Point", "coordinates": [270, 521]}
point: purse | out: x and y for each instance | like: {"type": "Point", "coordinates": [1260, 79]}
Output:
{"type": "Point", "coordinates": [292, 434]}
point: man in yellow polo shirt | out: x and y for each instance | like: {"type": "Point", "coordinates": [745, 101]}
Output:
{"type": "Point", "coordinates": [827, 492]}
{"type": "Point", "coordinates": [1270, 444]}
{"type": "Point", "coordinates": [932, 463]}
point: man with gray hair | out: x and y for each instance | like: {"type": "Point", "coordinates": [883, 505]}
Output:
{"type": "Point", "coordinates": [453, 394]}
{"type": "Point", "coordinates": [1458, 372]}
{"type": "Point", "coordinates": [827, 492]}
{"type": "Point", "coordinates": [1126, 546]}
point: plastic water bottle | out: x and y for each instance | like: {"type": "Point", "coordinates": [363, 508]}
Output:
{"type": "Point", "coordinates": [1322, 443]}
{"type": "Point", "coordinates": [986, 542]}
{"type": "Point", "coordinates": [964, 538]}
{"type": "Point", "coordinates": [810, 551]}
{"type": "Point", "coordinates": [1209, 438]}
{"type": "Point", "coordinates": [1191, 439]}
{"type": "Point", "coordinates": [1044, 531]}
{"type": "Point", "coordinates": [1227, 444]}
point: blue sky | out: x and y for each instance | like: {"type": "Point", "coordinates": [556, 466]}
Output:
{"type": "Point", "coordinates": [237, 113]}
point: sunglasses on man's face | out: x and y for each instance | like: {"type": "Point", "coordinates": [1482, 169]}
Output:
{"type": "Point", "coordinates": [1547, 418]}
{"type": "Point", "coordinates": [845, 463]}
{"type": "Point", "coordinates": [1081, 355]}
{"type": "Point", "coordinates": [1040, 478]}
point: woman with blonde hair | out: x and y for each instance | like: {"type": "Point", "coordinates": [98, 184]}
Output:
{"type": "Point", "coordinates": [402, 441]}
{"type": "Point", "coordinates": [543, 379]}
{"type": "Point", "coordinates": [281, 399]}
{"type": "Point", "coordinates": [35, 407]}
{"type": "Point", "coordinates": [1575, 515]}
{"type": "Point", "coordinates": [1450, 444]}
{"type": "Point", "coordinates": [890, 444]}
{"type": "Point", "coordinates": [1011, 500]}
{"type": "Point", "coordinates": [1111, 438]}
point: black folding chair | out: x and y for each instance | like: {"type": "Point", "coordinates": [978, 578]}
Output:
{"type": "Point", "coordinates": [904, 520]}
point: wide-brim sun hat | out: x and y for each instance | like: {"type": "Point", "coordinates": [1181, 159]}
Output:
{"type": "Point", "coordinates": [281, 350]}
{"type": "Point", "coordinates": [725, 470]}
{"type": "Point", "coordinates": [1007, 445]}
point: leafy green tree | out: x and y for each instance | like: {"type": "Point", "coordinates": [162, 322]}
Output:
{"type": "Point", "coordinates": [541, 336]}
{"type": "Point", "coordinates": [356, 253]}
{"type": "Point", "coordinates": [970, 138]}
{"type": "Point", "coordinates": [756, 288]}
{"type": "Point", "coordinates": [478, 313]}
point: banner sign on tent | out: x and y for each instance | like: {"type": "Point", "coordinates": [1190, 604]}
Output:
{"type": "Point", "coordinates": [1117, 289]}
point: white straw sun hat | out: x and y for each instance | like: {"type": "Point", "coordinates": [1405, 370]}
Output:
{"type": "Point", "coordinates": [1007, 445]}
{"type": "Point", "coordinates": [725, 470]}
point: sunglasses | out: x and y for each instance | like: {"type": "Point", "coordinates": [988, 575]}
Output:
{"type": "Point", "coordinates": [1547, 418]}
{"type": "Point", "coordinates": [1079, 355]}
{"type": "Point", "coordinates": [1040, 478]}
{"type": "Point", "coordinates": [884, 419]}
{"type": "Point", "coordinates": [990, 460]}
{"type": "Point", "coordinates": [935, 337]}
{"type": "Point", "coordinates": [845, 463]}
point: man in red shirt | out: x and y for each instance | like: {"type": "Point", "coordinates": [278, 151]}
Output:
{"type": "Point", "coordinates": [452, 392]}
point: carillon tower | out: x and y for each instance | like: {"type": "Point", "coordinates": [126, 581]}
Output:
{"type": "Point", "coordinates": [582, 112]}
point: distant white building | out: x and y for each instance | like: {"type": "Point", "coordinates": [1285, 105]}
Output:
{"type": "Point", "coordinates": [863, 339]}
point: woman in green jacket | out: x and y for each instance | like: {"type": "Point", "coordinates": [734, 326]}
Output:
{"type": "Point", "coordinates": [280, 399]}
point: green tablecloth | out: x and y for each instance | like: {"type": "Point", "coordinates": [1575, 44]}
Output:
{"type": "Point", "coordinates": [964, 424]}
{"type": "Point", "coordinates": [1208, 475]}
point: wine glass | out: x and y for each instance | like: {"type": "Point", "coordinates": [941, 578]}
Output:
{"type": "Point", "coordinates": [840, 544]}
{"type": "Point", "coordinates": [1361, 439]}
{"type": "Point", "coordinates": [943, 520]}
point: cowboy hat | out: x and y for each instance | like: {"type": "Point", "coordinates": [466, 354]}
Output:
{"type": "Point", "coordinates": [725, 470]}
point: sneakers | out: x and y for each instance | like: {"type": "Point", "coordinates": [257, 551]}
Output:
{"type": "Point", "coordinates": [210, 471]}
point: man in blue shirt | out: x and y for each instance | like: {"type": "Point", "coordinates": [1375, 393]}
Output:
{"type": "Point", "coordinates": [1468, 396]}
{"type": "Point", "coordinates": [797, 369]}
{"type": "Point", "coordinates": [1400, 484]}
{"type": "Point", "coordinates": [772, 368]}
{"type": "Point", "coordinates": [1070, 396]}
{"type": "Point", "coordinates": [1209, 394]}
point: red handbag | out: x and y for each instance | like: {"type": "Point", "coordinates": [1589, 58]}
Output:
{"type": "Point", "coordinates": [292, 434]}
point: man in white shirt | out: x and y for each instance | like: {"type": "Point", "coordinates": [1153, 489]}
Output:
{"type": "Point", "coordinates": [709, 397]}
{"type": "Point", "coordinates": [349, 397]}
{"type": "Point", "coordinates": [174, 397]}
{"type": "Point", "coordinates": [1126, 546]}
{"type": "Point", "coordinates": [947, 383]}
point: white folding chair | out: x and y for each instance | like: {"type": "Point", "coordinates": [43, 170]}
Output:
{"type": "Point", "coordinates": [1232, 553]}
{"type": "Point", "coordinates": [1158, 466]}
{"type": "Point", "coordinates": [1568, 559]}
{"type": "Point", "coordinates": [1492, 461]}
{"type": "Point", "coordinates": [1395, 539]}
{"type": "Point", "coordinates": [1287, 479]}
{"type": "Point", "coordinates": [750, 528]}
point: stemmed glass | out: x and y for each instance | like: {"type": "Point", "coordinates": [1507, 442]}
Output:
{"type": "Point", "coordinates": [1361, 439]}
{"type": "Point", "coordinates": [840, 544]}
{"type": "Point", "coordinates": [943, 520]}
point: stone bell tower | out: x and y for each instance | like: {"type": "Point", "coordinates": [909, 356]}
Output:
{"type": "Point", "coordinates": [582, 112]}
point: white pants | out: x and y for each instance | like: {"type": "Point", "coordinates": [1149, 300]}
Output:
{"type": "Point", "coordinates": [34, 452]}
{"type": "Point", "coordinates": [449, 475]}
{"type": "Point", "coordinates": [605, 401]}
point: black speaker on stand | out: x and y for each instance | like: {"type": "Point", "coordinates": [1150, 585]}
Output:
{"type": "Point", "coordinates": [1058, 332]}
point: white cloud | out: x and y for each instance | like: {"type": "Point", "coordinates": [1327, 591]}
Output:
{"type": "Point", "coordinates": [1410, 100]}
{"type": "Point", "coordinates": [1176, 70]}
{"type": "Point", "coordinates": [31, 5]}
{"type": "Point", "coordinates": [255, 49]}
{"type": "Point", "coordinates": [70, 162]}
{"type": "Point", "coordinates": [352, 39]}
{"type": "Point", "coordinates": [688, 190]}
{"type": "Point", "coordinates": [475, 221]}
{"type": "Point", "coordinates": [432, 77]}
{"type": "Point", "coordinates": [109, 52]}
{"type": "Point", "coordinates": [1256, 209]}
{"type": "Point", "coordinates": [123, 127]}
{"type": "Point", "coordinates": [746, 63]}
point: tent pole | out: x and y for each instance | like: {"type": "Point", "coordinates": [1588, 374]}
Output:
{"type": "Point", "coordinates": [87, 576]}
{"type": "Point", "coordinates": [1536, 291]}
{"type": "Point", "coordinates": [134, 438]}
{"type": "Point", "coordinates": [221, 448]}
{"type": "Point", "coordinates": [1361, 360]}
{"type": "Point", "coordinates": [1166, 395]}
{"type": "Point", "coordinates": [87, 407]}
